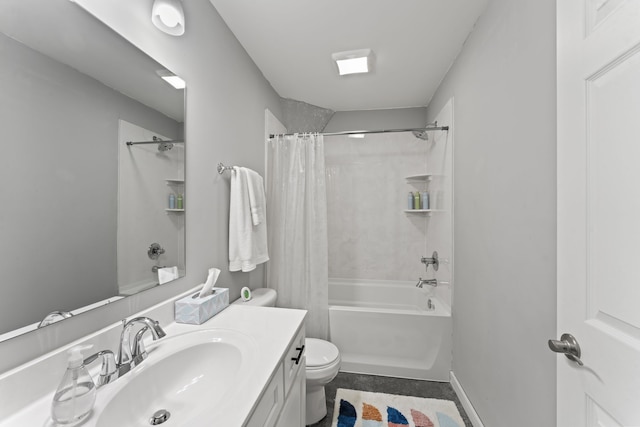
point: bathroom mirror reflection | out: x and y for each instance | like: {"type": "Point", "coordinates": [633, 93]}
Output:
{"type": "Point", "coordinates": [81, 209]}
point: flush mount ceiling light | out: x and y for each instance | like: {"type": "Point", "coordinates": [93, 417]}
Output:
{"type": "Point", "coordinates": [172, 79]}
{"type": "Point", "coordinates": [354, 61]}
{"type": "Point", "coordinates": [168, 16]}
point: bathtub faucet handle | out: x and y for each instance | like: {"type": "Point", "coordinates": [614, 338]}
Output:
{"type": "Point", "coordinates": [430, 282]}
{"type": "Point", "coordinates": [431, 261]}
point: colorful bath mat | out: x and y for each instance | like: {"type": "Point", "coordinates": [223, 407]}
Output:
{"type": "Point", "coordinates": [356, 408]}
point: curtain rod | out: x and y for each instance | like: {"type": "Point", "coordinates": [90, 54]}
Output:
{"type": "Point", "coordinates": [358, 132]}
{"type": "Point", "coordinates": [157, 141]}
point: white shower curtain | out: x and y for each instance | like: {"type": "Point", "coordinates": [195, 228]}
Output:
{"type": "Point", "coordinates": [297, 224]}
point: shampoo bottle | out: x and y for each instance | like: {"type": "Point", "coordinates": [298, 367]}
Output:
{"type": "Point", "coordinates": [416, 200]}
{"type": "Point", "coordinates": [172, 201]}
{"type": "Point", "coordinates": [425, 200]}
{"type": "Point", "coordinates": [76, 394]}
{"type": "Point", "coordinates": [180, 202]}
{"type": "Point", "coordinates": [410, 201]}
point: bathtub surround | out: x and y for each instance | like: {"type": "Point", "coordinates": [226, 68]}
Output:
{"type": "Point", "coordinates": [440, 231]}
{"type": "Point", "coordinates": [297, 222]}
{"type": "Point", "coordinates": [505, 198]}
{"type": "Point", "coordinates": [367, 190]}
{"type": "Point", "coordinates": [272, 126]}
{"type": "Point", "coordinates": [370, 236]}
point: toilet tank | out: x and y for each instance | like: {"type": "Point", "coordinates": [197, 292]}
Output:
{"type": "Point", "coordinates": [263, 297]}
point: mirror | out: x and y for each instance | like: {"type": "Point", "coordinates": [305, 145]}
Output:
{"type": "Point", "coordinates": [81, 208]}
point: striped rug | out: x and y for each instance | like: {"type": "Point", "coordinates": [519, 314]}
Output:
{"type": "Point", "coordinates": [356, 408]}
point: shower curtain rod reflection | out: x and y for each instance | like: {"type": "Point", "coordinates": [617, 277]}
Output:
{"type": "Point", "coordinates": [433, 126]}
{"type": "Point", "coordinates": [163, 144]}
{"type": "Point", "coordinates": [172, 141]}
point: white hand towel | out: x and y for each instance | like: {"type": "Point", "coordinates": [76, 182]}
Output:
{"type": "Point", "coordinates": [257, 199]}
{"type": "Point", "coordinates": [167, 274]}
{"type": "Point", "coordinates": [247, 242]}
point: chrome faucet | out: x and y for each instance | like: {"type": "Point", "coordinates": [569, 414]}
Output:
{"type": "Point", "coordinates": [54, 317]}
{"type": "Point", "coordinates": [430, 282]}
{"type": "Point", "coordinates": [129, 354]}
{"type": "Point", "coordinates": [132, 354]}
{"type": "Point", "coordinates": [108, 371]}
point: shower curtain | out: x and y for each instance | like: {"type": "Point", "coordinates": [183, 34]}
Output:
{"type": "Point", "coordinates": [297, 224]}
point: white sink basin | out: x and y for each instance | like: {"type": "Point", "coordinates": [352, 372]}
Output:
{"type": "Point", "coordinates": [186, 375]}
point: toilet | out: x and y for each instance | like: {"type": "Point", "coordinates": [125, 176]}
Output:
{"type": "Point", "coordinates": [323, 360]}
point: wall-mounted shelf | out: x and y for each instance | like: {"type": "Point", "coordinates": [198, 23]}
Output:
{"type": "Point", "coordinates": [175, 181]}
{"type": "Point", "coordinates": [174, 210]}
{"type": "Point", "coordinates": [419, 178]}
{"type": "Point", "coordinates": [422, 211]}
{"type": "Point", "coordinates": [423, 177]}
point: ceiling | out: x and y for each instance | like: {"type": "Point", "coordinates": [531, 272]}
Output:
{"type": "Point", "coordinates": [291, 41]}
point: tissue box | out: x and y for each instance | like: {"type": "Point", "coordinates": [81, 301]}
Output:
{"type": "Point", "coordinates": [198, 310]}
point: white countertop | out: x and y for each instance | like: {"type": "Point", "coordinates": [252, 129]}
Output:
{"type": "Point", "coordinates": [273, 330]}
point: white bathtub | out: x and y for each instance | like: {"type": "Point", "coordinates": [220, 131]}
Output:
{"type": "Point", "coordinates": [384, 328]}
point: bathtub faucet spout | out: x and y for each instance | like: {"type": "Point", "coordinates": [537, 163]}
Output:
{"type": "Point", "coordinates": [430, 282]}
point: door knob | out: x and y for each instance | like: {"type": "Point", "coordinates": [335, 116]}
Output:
{"type": "Point", "coordinates": [568, 346]}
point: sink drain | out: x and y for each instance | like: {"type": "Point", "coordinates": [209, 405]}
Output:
{"type": "Point", "coordinates": [159, 417]}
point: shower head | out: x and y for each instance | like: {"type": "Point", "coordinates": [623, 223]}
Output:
{"type": "Point", "coordinates": [165, 146]}
{"type": "Point", "coordinates": [421, 134]}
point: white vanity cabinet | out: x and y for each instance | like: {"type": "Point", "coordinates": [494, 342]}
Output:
{"type": "Point", "coordinates": [282, 403]}
{"type": "Point", "coordinates": [265, 389]}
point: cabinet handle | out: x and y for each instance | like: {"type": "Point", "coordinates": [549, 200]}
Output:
{"type": "Point", "coordinates": [300, 351]}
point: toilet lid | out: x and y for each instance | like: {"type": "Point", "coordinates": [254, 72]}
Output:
{"type": "Point", "coordinates": [320, 352]}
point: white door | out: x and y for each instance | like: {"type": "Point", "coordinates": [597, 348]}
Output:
{"type": "Point", "coordinates": [599, 210]}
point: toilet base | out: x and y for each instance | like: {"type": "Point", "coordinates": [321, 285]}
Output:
{"type": "Point", "coordinates": [316, 404]}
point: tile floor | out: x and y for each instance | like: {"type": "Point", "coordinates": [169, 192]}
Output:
{"type": "Point", "coordinates": [389, 385]}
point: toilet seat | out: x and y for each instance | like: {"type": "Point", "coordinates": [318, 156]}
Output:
{"type": "Point", "coordinates": [321, 354]}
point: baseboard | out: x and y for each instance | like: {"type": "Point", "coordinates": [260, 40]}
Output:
{"type": "Point", "coordinates": [466, 403]}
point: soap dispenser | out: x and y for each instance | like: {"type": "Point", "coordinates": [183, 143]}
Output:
{"type": "Point", "coordinates": [76, 394]}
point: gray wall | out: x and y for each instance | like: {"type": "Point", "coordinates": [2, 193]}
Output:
{"type": "Point", "coordinates": [395, 118]}
{"type": "Point", "coordinates": [60, 169]}
{"type": "Point", "coordinates": [504, 303]}
{"type": "Point", "coordinates": [226, 98]}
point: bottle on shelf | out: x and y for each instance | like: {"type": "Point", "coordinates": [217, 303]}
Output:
{"type": "Point", "coordinates": [172, 201]}
{"type": "Point", "coordinates": [425, 200]}
{"type": "Point", "coordinates": [410, 201]}
{"type": "Point", "coordinates": [180, 202]}
{"type": "Point", "coordinates": [416, 200]}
